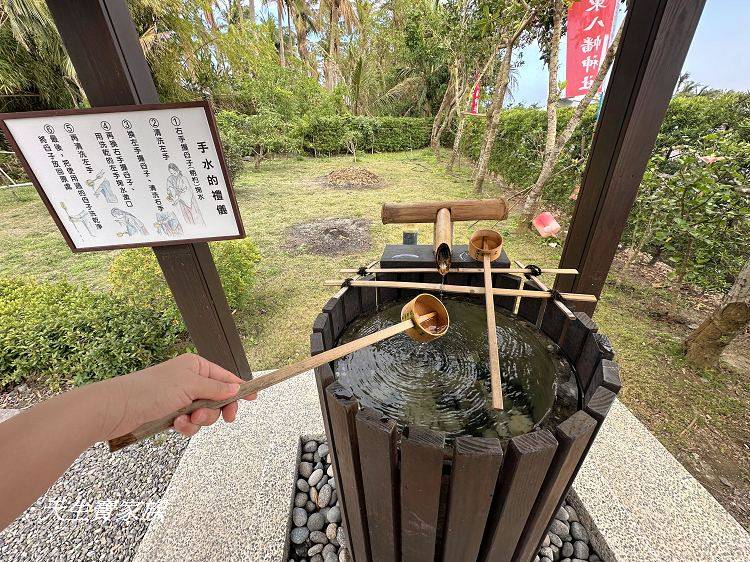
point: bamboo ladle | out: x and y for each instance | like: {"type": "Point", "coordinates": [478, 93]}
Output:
{"type": "Point", "coordinates": [424, 318]}
{"type": "Point", "coordinates": [485, 246]}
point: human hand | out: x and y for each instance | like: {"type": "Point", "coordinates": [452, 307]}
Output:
{"type": "Point", "coordinates": [157, 391]}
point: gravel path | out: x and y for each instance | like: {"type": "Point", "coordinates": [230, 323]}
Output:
{"type": "Point", "coordinates": [99, 509]}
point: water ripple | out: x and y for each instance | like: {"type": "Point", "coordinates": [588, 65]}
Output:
{"type": "Point", "coordinates": [445, 384]}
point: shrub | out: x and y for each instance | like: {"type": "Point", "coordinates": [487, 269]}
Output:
{"type": "Point", "coordinates": [135, 275]}
{"type": "Point", "coordinates": [519, 147]}
{"type": "Point", "coordinates": [63, 332]}
{"type": "Point", "coordinates": [255, 136]}
{"type": "Point", "coordinates": [693, 209]}
{"type": "Point", "coordinates": [335, 134]}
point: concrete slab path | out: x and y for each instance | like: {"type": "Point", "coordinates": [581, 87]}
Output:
{"type": "Point", "coordinates": [230, 497]}
{"type": "Point", "coordinates": [644, 505]}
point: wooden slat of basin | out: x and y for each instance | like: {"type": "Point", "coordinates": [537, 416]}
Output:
{"type": "Point", "coordinates": [352, 309]}
{"type": "Point", "coordinates": [611, 376]}
{"type": "Point", "coordinates": [476, 464]}
{"type": "Point", "coordinates": [322, 325]}
{"type": "Point", "coordinates": [573, 436]}
{"type": "Point", "coordinates": [342, 411]}
{"type": "Point", "coordinates": [324, 378]}
{"type": "Point", "coordinates": [588, 362]}
{"type": "Point", "coordinates": [368, 296]}
{"type": "Point", "coordinates": [527, 459]}
{"type": "Point", "coordinates": [421, 478]}
{"type": "Point", "coordinates": [553, 323]}
{"type": "Point", "coordinates": [335, 309]}
{"type": "Point", "coordinates": [376, 437]}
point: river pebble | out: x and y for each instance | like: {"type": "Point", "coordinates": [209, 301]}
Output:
{"type": "Point", "coordinates": [317, 509]}
{"type": "Point", "coordinates": [567, 539]}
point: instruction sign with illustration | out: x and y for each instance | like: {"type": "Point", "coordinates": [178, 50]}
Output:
{"type": "Point", "coordinates": [129, 176]}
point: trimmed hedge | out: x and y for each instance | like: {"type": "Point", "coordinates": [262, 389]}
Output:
{"type": "Point", "coordinates": [61, 332]}
{"type": "Point", "coordinates": [519, 147]}
{"type": "Point", "coordinates": [256, 136]}
{"type": "Point", "coordinates": [330, 134]}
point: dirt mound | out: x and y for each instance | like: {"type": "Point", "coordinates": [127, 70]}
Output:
{"type": "Point", "coordinates": [352, 177]}
{"type": "Point", "coordinates": [330, 237]}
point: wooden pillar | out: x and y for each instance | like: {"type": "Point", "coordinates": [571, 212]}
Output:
{"type": "Point", "coordinates": [103, 45]}
{"type": "Point", "coordinates": [655, 41]}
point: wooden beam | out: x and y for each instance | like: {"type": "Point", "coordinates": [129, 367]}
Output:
{"type": "Point", "coordinates": [476, 464]}
{"type": "Point", "coordinates": [655, 41]}
{"type": "Point", "coordinates": [103, 45]}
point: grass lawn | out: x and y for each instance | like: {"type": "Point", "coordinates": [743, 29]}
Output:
{"type": "Point", "coordinates": [701, 416]}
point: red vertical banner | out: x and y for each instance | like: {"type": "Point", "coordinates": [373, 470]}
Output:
{"type": "Point", "coordinates": [475, 99]}
{"type": "Point", "coordinates": [589, 36]}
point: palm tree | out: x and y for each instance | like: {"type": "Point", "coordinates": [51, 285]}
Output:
{"type": "Point", "coordinates": [304, 21]}
{"type": "Point", "coordinates": [335, 11]}
{"type": "Point", "coordinates": [280, 17]}
{"type": "Point", "coordinates": [37, 73]}
{"type": "Point", "coordinates": [280, 28]}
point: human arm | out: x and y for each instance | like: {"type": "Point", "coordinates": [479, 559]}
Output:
{"type": "Point", "coordinates": [39, 444]}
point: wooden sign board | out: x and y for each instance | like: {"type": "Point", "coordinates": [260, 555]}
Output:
{"type": "Point", "coordinates": [121, 177]}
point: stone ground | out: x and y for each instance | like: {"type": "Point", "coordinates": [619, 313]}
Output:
{"type": "Point", "coordinates": [231, 495]}
{"type": "Point", "coordinates": [316, 532]}
{"type": "Point", "coordinates": [99, 509]}
{"type": "Point", "coordinates": [644, 505]}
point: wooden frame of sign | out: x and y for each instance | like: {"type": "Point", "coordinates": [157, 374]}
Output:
{"type": "Point", "coordinates": [54, 212]}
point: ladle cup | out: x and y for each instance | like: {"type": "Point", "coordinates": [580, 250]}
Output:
{"type": "Point", "coordinates": [424, 318]}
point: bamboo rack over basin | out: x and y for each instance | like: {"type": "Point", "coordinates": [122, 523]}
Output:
{"type": "Point", "coordinates": [463, 289]}
{"type": "Point", "coordinates": [513, 270]}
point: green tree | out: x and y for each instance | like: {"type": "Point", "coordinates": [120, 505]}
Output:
{"type": "Point", "coordinates": [35, 71]}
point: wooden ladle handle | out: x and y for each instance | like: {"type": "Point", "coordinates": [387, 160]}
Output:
{"type": "Point", "coordinates": [261, 383]}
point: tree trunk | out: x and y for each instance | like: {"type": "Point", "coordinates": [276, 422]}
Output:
{"type": "Point", "coordinates": [280, 14]}
{"type": "Point", "coordinates": [461, 102]}
{"type": "Point", "coordinates": [493, 118]}
{"type": "Point", "coordinates": [548, 165]}
{"type": "Point", "coordinates": [444, 126]}
{"type": "Point", "coordinates": [553, 91]}
{"type": "Point", "coordinates": [289, 27]}
{"type": "Point", "coordinates": [456, 153]}
{"type": "Point", "coordinates": [496, 107]}
{"type": "Point", "coordinates": [708, 340]}
{"type": "Point", "coordinates": [332, 46]}
{"type": "Point", "coordinates": [440, 116]}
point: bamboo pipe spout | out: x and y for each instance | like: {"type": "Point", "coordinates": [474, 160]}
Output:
{"type": "Point", "coordinates": [443, 243]}
{"type": "Point", "coordinates": [443, 214]}
{"type": "Point", "coordinates": [424, 318]}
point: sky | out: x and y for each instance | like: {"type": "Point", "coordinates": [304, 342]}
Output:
{"type": "Point", "coordinates": [718, 56]}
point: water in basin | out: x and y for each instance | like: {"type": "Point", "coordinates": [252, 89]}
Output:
{"type": "Point", "coordinates": [445, 384]}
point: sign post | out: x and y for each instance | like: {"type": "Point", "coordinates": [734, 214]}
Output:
{"type": "Point", "coordinates": [103, 45]}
